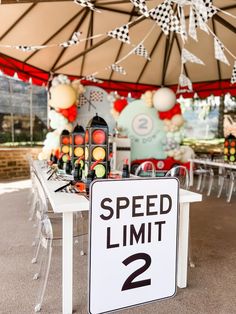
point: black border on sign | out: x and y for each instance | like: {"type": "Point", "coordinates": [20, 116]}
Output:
{"type": "Point", "coordinates": [90, 223]}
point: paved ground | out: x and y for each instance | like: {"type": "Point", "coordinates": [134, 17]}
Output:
{"type": "Point", "coordinates": [211, 285]}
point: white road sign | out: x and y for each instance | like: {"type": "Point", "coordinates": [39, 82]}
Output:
{"type": "Point", "coordinates": [133, 242]}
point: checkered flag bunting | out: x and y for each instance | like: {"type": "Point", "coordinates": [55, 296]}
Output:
{"type": "Point", "coordinates": [26, 48]}
{"type": "Point", "coordinates": [233, 77]}
{"type": "Point", "coordinates": [184, 81]}
{"type": "Point", "coordinates": [118, 69]}
{"type": "Point", "coordinates": [88, 4]}
{"type": "Point", "coordinates": [205, 8]}
{"type": "Point", "coordinates": [219, 51]}
{"type": "Point", "coordinates": [189, 57]}
{"type": "Point", "coordinates": [161, 15]}
{"type": "Point", "coordinates": [193, 23]}
{"type": "Point", "coordinates": [141, 5]}
{"type": "Point", "coordinates": [121, 33]}
{"type": "Point", "coordinates": [92, 78]}
{"type": "Point", "coordinates": [141, 51]}
{"type": "Point", "coordinates": [73, 41]}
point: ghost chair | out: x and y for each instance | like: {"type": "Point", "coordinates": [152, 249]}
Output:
{"type": "Point", "coordinates": [182, 174]}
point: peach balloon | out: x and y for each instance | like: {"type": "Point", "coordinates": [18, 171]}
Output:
{"type": "Point", "coordinates": [62, 96]}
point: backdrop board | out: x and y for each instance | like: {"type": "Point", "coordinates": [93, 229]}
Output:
{"type": "Point", "coordinates": [133, 242]}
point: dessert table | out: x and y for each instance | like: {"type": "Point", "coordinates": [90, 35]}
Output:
{"type": "Point", "coordinates": [68, 203]}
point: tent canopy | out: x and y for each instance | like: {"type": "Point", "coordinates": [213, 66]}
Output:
{"type": "Point", "coordinates": [53, 22]}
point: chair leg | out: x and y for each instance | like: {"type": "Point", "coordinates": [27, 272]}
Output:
{"type": "Point", "coordinates": [33, 207]}
{"type": "Point", "coordinates": [211, 179]}
{"type": "Point", "coordinates": [199, 182]}
{"type": "Point", "coordinates": [34, 259]}
{"type": "Point", "coordinates": [231, 187]}
{"type": "Point", "coordinates": [222, 180]}
{"type": "Point", "coordinates": [44, 284]}
{"type": "Point", "coordinates": [203, 183]}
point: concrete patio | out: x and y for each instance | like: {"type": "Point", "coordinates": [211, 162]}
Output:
{"type": "Point", "coordinates": [211, 284]}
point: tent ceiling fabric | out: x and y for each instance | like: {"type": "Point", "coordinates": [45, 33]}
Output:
{"type": "Point", "coordinates": [52, 22]}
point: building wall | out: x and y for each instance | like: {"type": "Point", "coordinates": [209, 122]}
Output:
{"type": "Point", "coordinates": [14, 163]}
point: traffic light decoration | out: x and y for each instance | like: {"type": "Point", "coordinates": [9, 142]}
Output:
{"type": "Point", "coordinates": [96, 147]}
{"type": "Point", "coordinates": [77, 145]}
{"type": "Point", "coordinates": [230, 148]}
{"type": "Point", "coordinates": [65, 145]}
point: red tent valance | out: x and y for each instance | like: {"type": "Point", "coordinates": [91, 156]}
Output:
{"type": "Point", "coordinates": [10, 66]}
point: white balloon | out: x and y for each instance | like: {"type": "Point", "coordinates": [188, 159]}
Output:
{"type": "Point", "coordinates": [187, 153]}
{"type": "Point", "coordinates": [57, 120]}
{"type": "Point", "coordinates": [164, 99]}
{"type": "Point", "coordinates": [52, 140]}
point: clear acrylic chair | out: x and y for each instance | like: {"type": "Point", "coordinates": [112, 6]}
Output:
{"type": "Point", "coordinates": [146, 169]}
{"type": "Point", "coordinates": [204, 173]}
{"type": "Point", "coordinates": [182, 174]}
{"type": "Point", "coordinates": [231, 187]}
{"type": "Point", "coordinates": [50, 230]}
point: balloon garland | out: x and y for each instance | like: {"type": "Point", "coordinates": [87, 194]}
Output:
{"type": "Point", "coordinates": [63, 101]}
{"type": "Point", "coordinates": [164, 100]}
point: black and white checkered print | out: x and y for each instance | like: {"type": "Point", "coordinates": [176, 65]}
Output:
{"type": "Point", "coordinates": [118, 69]}
{"type": "Point", "coordinates": [141, 51]}
{"type": "Point", "coordinates": [187, 56]}
{"type": "Point", "coordinates": [73, 41]}
{"type": "Point", "coordinates": [93, 79]}
{"type": "Point", "coordinates": [219, 51]}
{"type": "Point", "coordinates": [193, 23]}
{"type": "Point", "coordinates": [205, 8]}
{"type": "Point", "coordinates": [25, 48]}
{"type": "Point", "coordinates": [121, 33]}
{"type": "Point", "coordinates": [86, 3]}
{"type": "Point", "coordinates": [141, 4]}
{"type": "Point", "coordinates": [162, 15]}
{"type": "Point", "coordinates": [233, 77]}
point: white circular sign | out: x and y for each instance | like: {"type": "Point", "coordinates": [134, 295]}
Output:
{"type": "Point", "coordinates": [160, 164]}
{"type": "Point", "coordinates": [142, 124]}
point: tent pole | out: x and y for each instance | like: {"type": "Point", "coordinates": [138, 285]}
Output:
{"type": "Point", "coordinates": [12, 111]}
{"type": "Point", "coordinates": [31, 114]}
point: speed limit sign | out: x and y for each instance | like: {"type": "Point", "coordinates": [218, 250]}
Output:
{"type": "Point", "coordinates": [133, 242]}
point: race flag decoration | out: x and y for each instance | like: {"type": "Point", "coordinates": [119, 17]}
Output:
{"type": "Point", "coordinates": [141, 5]}
{"type": "Point", "coordinates": [121, 33]}
{"type": "Point", "coordinates": [73, 41]}
{"type": "Point", "coordinates": [87, 3]}
{"type": "Point", "coordinates": [184, 81]}
{"type": "Point", "coordinates": [219, 51]}
{"type": "Point", "coordinates": [205, 8]}
{"type": "Point", "coordinates": [92, 78]}
{"type": "Point", "coordinates": [118, 69]}
{"type": "Point", "coordinates": [161, 15]}
{"type": "Point", "coordinates": [141, 51]}
{"type": "Point", "coordinates": [233, 77]}
{"type": "Point", "coordinates": [192, 30]}
{"type": "Point", "coordinates": [26, 48]}
{"type": "Point", "coordinates": [187, 56]}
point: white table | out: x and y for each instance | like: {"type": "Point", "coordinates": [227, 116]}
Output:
{"type": "Point", "coordinates": [219, 164]}
{"type": "Point", "coordinates": [66, 204]}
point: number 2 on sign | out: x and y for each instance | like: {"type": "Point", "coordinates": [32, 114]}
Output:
{"type": "Point", "coordinates": [129, 283]}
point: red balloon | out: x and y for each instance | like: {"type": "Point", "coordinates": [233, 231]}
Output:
{"type": "Point", "coordinates": [170, 113]}
{"type": "Point", "coordinates": [120, 104]}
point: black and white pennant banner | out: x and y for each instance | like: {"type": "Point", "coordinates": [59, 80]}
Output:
{"type": "Point", "coordinates": [219, 51]}
{"type": "Point", "coordinates": [187, 56]}
{"type": "Point", "coordinates": [75, 39]}
{"type": "Point", "coordinates": [121, 33]}
{"type": "Point", "coordinates": [141, 5]}
{"type": "Point", "coordinates": [161, 15]}
{"type": "Point", "coordinates": [141, 51]}
{"type": "Point", "coordinates": [27, 48]}
{"type": "Point", "coordinates": [92, 78]}
{"type": "Point", "coordinates": [233, 77]}
{"type": "Point", "coordinates": [193, 23]}
{"type": "Point", "coordinates": [87, 3]}
{"type": "Point", "coordinates": [184, 81]}
{"type": "Point", "coordinates": [118, 69]}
